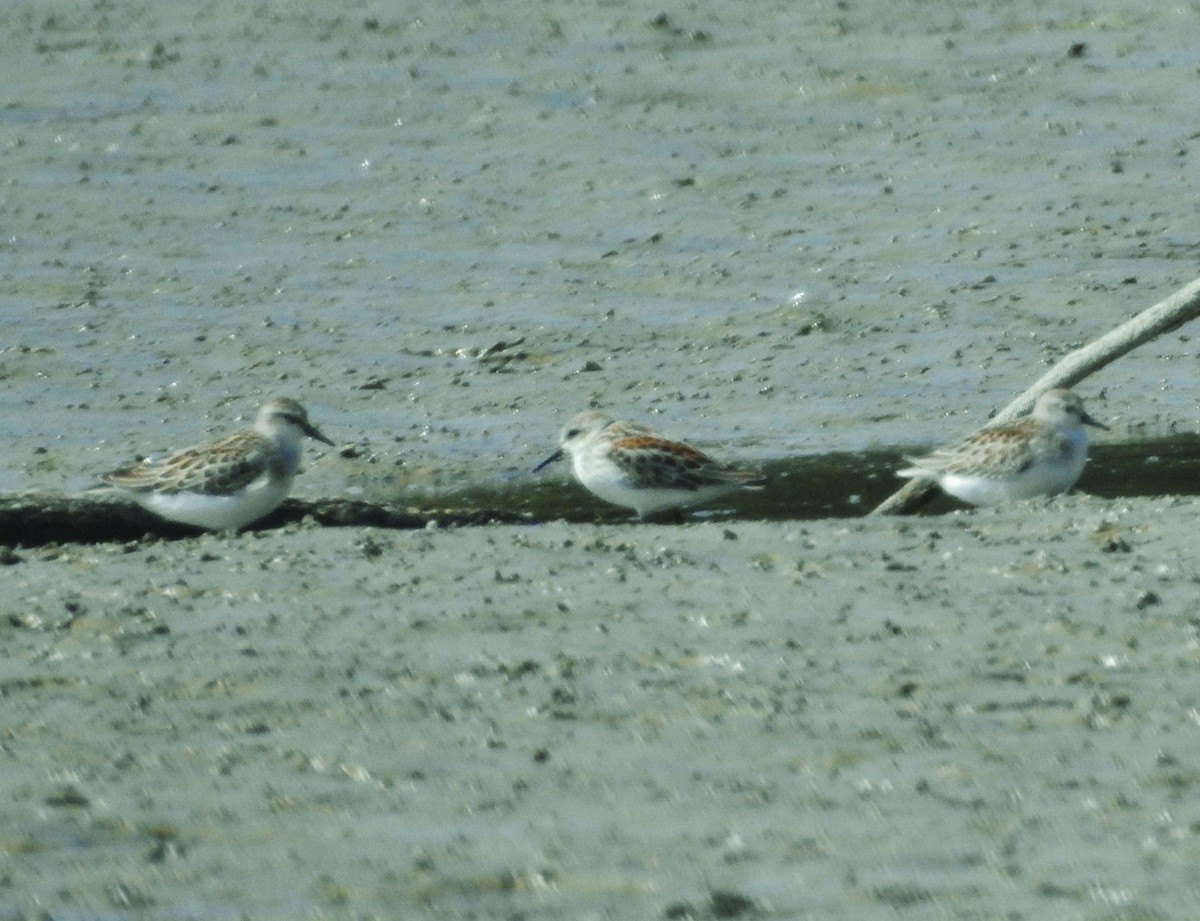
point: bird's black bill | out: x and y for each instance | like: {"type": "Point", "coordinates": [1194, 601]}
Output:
{"type": "Point", "coordinates": [548, 461]}
{"type": "Point", "coordinates": [312, 432]}
{"type": "Point", "coordinates": [1089, 420]}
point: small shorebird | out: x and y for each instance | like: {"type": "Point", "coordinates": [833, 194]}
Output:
{"type": "Point", "coordinates": [229, 483]}
{"type": "Point", "coordinates": [632, 466]}
{"type": "Point", "coordinates": [1041, 454]}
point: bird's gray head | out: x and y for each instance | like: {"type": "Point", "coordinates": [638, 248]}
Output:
{"type": "Point", "coordinates": [582, 427]}
{"type": "Point", "coordinates": [577, 432]}
{"type": "Point", "coordinates": [1057, 406]}
{"type": "Point", "coordinates": [284, 411]}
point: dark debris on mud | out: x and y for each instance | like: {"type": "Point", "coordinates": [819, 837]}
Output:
{"type": "Point", "coordinates": [34, 520]}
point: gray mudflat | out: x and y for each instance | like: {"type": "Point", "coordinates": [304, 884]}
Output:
{"type": "Point", "coordinates": [773, 229]}
{"type": "Point", "coordinates": [982, 715]}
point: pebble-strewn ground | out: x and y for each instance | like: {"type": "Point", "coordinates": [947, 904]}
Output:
{"type": "Point", "coordinates": [985, 715]}
{"type": "Point", "coordinates": [776, 229]}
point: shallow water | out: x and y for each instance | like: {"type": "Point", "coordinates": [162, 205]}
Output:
{"type": "Point", "coordinates": [841, 485]}
{"type": "Point", "coordinates": [846, 485]}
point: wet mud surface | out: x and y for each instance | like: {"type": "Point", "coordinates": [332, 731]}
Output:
{"type": "Point", "coordinates": [851, 718]}
{"type": "Point", "coordinates": [805, 237]}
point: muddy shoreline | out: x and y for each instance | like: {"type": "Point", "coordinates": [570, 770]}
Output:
{"type": "Point", "coordinates": [943, 713]}
{"type": "Point", "coordinates": [805, 237]}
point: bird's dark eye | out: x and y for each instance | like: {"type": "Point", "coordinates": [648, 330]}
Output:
{"type": "Point", "coordinates": [573, 432]}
